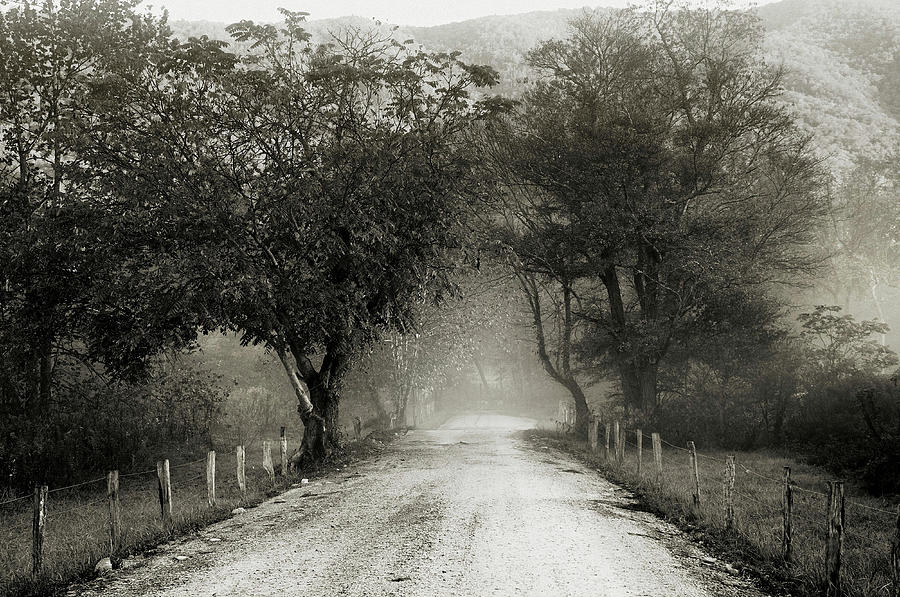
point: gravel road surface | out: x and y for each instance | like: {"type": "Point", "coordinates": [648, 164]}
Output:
{"type": "Point", "coordinates": [466, 509]}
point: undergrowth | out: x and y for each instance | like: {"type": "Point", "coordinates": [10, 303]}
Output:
{"type": "Point", "coordinates": [77, 523]}
{"type": "Point", "coordinates": [754, 543]}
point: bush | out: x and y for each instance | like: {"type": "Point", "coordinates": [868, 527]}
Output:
{"type": "Point", "coordinates": [852, 426]}
{"type": "Point", "coordinates": [94, 426]}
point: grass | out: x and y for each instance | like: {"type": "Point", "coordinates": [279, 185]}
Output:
{"type": "Point", "coordinates": [77, 523]}
{"type": "Point", "coordinates": [754, 544]}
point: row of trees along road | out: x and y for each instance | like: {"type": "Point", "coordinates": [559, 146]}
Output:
{"type": "Point", "coordinates": [654, 192]}
{"type": "Point", "coordinates": [312, 197]}
{"type": "Point", "coordinates": [300, 194]}
{"type": "Point", "coordinates": [432, 349]}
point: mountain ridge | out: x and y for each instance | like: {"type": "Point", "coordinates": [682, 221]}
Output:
{"type": "Point", "coordinates": [842, 62]}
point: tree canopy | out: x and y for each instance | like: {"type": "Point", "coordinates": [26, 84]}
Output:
{"type": "Point", "coordinates": [306, 193]}
{"type": "Point", "coordinates": [658, 166]}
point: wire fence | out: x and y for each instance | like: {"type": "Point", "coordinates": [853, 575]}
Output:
{"type": "Point", "coordinates": [59, 532]}
{"type": "Point", "coordinates": [823, 534]}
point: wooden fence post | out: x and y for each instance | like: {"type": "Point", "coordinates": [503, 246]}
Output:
{"type": "Point", "coordinates": [657, 455]}
{"type": "Point", "coordinates": [606, 444]}
{"type": "Point", "coordinates": [241, 478]}
{"type": "Point", "coordinates": [695, 473]}
{"type": "Point", "coordinates": [728, 488]}
{"type": "Point", "coordinates": [616, 442]}
{"type": "Point", "coordinates": [787, 516]}
{"type": "Point", "coordinates": [115, 516]}
{"type": "Point", "coordinates": [834, 539]}
{"type": "Point", "coordinates": [164, 484]}
{"type": "Point", "coordinates": [283, 454]}
{"type": "Point", "coordinates": [639, 436]}
{"type": "Point", "coordinates": [895, 558]}
{"type": "Point", "coordinates": [267, 461]}
{"type": "Point", "coordinates": [211, 478]}
{"type": "Point", "coordinates": [37, 530]}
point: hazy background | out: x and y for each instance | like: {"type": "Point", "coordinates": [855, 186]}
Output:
{"type": "Point", "coordinates": [401, 12]}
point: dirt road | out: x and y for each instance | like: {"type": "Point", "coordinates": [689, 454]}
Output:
{"type": "Point", "coordinates": [467, 509]}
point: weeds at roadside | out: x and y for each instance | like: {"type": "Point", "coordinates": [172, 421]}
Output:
{"type": "Point", "coordinates": [77, 521]}
{"type": "Point", "coordinates": [754, 545]}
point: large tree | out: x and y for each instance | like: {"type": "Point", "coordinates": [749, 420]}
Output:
{"type": "Point", "coordinates": [60, 285]}
{"type": "Point", "coordinates": [308, 191]}
{"type": "Point", "coordinates": [663, 169]}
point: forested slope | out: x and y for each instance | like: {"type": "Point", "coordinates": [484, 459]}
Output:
{"type": "Point", "coordinates": [842, 61]}
{"type": "Point", "coordinates": [843, 65]}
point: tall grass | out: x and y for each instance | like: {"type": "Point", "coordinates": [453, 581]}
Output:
{"type": "Point", "coordinates": [77, 523]}
{"type": "Point", "coordinates": [757, 536]}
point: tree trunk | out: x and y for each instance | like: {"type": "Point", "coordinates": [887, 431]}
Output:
{"type": "Point", "coordinates": [648, 376]}
{"type": "Point", "coordinates": [582, 412]}
{"type": "Point", "coordinates": [375, 401]}
{"type": "Point", "coordinates": [631, 386]}
{"type": "Point", "coordinates": [402, 401]}
{"type": "Point", "coordinates": [313, 445]}
{"type": "Point", "coordinates": [561, 371]}
{"type": "Point", "coordinates": [326, 400]}
{"type": "Point", "coordinates": [778, 424]}
{"type": "Point", "coordinates": [639, 388]}
{"type": "Point", "coordinates": [485, 389]}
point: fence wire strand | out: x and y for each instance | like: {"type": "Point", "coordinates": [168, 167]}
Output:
{"type": "Point", "coordinates": [83, 483]}
{"type": "Point", "coordinates": [14, 500]}
{"type": "Point", "coordinates": [874, 509]}
{"type": "Point", "coordinates": [749, 471]}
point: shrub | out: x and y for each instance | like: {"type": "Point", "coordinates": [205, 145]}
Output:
{"type": "Point", "coordinates": [96, 426]}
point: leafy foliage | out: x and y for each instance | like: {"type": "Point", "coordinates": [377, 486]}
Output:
{"type": "Point", "coordinates": [842, 348]}
{"type": "Point", "coordinates": [658, 165]}
{"type": "Point", "coordinates": [319, 187]}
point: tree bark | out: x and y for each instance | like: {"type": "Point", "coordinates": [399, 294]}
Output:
{"type": "Point", "coordinates": [648, 376]}
{"type": "Point", "coordinates": [639, 388]}
{"type": "Point", "coordinates": [402, 401]}
{"type": "Point", "coordinates": [312, 446]}
{"type": "Point", "coordinates": [560, 372]}
{"type": "Point", "coordinates": [582, 412]}
{"type": "Point", "coordinates": [631, 385]}
{"type": "Point", "coordinates": [639, 379]}
{"type": "Point", "coordinates": [484, 383]}
{"type": "Point", "coordinates": [380, 412]}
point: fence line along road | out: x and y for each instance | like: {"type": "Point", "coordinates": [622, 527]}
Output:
{"type": "Point", "coordinates": [832, 521]}
{"type": "Point", "coordinates": [116, 484]}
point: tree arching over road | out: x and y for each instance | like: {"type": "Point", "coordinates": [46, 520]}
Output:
{"type": "Point", "coordinates": [308, 190]}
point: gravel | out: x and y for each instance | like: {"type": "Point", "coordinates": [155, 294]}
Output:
{"type": "Point", "coordinates": [467, 509]}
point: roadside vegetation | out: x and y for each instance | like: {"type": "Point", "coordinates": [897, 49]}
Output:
{"type": "Point", "coordinates": [78, 536]}
{"type": "Point", "coordinates": [753, 546]}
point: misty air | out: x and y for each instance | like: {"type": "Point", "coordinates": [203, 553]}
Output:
{"type": "Point", "coordinates": [487, 299]}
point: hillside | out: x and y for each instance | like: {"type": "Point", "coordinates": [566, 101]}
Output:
{"type": "Point", "coordinates": [842, 60]}
{"type": "Point", "coordinates": [501, 41]}
{"type": "Point", "coordinates": [843, 72]}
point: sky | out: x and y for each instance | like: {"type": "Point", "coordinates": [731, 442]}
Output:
{"type": "Point", "coordinates": [401, 12]}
